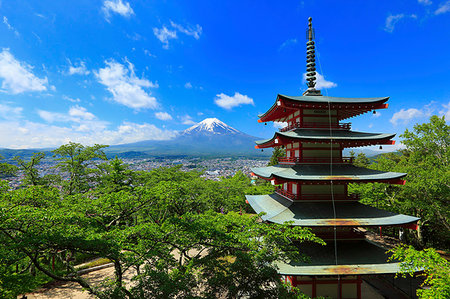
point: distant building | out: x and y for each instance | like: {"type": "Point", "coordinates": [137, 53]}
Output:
{"type": "Point", "coordinates": [312, 192]}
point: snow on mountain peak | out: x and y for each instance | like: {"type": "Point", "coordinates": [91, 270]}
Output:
{"type": "Point", "coordinates": [211, 125]}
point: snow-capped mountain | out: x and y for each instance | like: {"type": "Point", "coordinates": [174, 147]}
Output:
{"type": "Point", "coordinates": [211, 126]}
{"type": "Point", "coordinates": [210, 137]}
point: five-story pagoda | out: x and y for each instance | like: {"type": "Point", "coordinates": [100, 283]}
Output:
{"type": "Point", "coordinates": [312, 182]}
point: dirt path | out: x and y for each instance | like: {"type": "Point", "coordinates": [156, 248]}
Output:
{"type": "Point", "coordinates": [72, 290]}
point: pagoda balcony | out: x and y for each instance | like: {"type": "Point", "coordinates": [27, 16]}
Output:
{"type": "Point", "coordinates": [293, 196]}
{"type": "Point", "coordinates": [302, 160]}
{"type": "Point", "coordinates": [316, 125]}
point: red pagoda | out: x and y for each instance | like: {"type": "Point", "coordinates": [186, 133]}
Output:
{"type": "Point", "coordinates": [312, 181]}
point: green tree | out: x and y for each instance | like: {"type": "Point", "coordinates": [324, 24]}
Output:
{"type": "Point", "coordinates": [436, 270]}
{"type": "Point", "coordinates": [76, 161]}
{"type": "Point", "coordinates": [161, 224]}
{"type": "Point", "coordinates": [6, 169]}
{"type": "Point", "coordinates": [427, 190]}
{"type": "Point", "coordinates": [278, 152]}
{"type": "Point", "coordinates": [30, 170]}
{"type": "Point", "coordinates": [361, 160]}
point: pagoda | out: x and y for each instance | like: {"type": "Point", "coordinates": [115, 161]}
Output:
{"type": "Point", "coordinates": [312, 188]}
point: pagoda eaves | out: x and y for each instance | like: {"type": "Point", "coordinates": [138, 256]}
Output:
{"type": "Point", "coordinates": [343, 137]}
{"type": "Point", "coordinates": [279, 209]}
{"type": "Point", "coordinates": [347, 107]}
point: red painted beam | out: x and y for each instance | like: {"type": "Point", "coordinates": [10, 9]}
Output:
{"type": "Point", "coordinates": [413, 226]}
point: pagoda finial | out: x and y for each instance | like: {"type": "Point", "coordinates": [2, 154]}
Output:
{"type": "Point", "coordinates": [311, 62]}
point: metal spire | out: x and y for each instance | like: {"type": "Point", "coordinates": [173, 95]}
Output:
{"type": "Point", "coordinates": [311, 62]}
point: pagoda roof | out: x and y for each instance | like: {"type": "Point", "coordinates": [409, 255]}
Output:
{"type": "Point", "coordinates": [278, 209]}
{"type": "Point", "coordinates": [333, 100]}
{"type": "Point", "coordinates": [348, 107]}
{"type": "Point", "coordinates": [325, 172]}
{"type": "Point", "coordinates": [356, 257]}
{"type": "Point", "coordinates": [342, 136]}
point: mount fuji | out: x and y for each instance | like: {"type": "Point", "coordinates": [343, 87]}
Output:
{"type": "Point", "coordinates": [210, 137]}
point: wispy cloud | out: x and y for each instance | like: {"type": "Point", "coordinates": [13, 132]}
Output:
{"type": "Point", "coordinates": [164, 34]}
{"type": "Point", "coordinates": [17, 76]}
{"type": "Point", "coordinates": [288, 43]}
{"type": "Point", "coordinates": [321, 83]}
{"type": "Point", "coordinates": [279, 124]}
{"type": "Point", "coordinates": [71, 99]}
{"type": "Point", "coordinates": [79, 69]}
{"type": "Point", "coordinates": [27, 134]}
{"type": "Point", "coordinates": [118, 7]}
{"type": "Point", "coordinates": [392, 20]}
{"type": "Point", "coordinates": [194, 31]}
{"type": "Point", "coordinates": [188, 85]}
{"type": "Point", "coordinates": [425, 2]}
{"type": "Point", "coordinates": [443, 8]}
{"type": "Point", "coordinates": [405, 116]}
{"type": "Point", "coordinates": [5, 21]}
{"type": "Point", "coordinates": [187, 120]}
{"type": "Point", "coordinates": [10, 113]}
{"type": "Point", "coordinates": [228, 102]}
{"type": "Point", "coordinates": [163, 116]}
{"type": "Point", "coordinates": [126, 88]}
{"type": "Point", "coordinates": [445, 111]}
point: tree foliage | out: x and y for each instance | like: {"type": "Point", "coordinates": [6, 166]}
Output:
{"type": "Point", "coordinates": [175, 233]}
{"type": "Point", "coordinates": [278, 152]}
{"type": "Point", "coordinates": [426, 193]}
{"type": "Point", "coordinates": [435, 268]}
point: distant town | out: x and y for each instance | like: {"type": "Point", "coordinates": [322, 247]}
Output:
{"type": "Point", "coordinates": [213, 168]}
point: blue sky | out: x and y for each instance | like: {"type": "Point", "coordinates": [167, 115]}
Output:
{"type": "Point", "coordinates": [119, 71]}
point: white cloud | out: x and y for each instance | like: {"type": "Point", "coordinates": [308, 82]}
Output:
{"type": "Point", "coordinates": [392, 20]}
{"type": "Point", "coordinates": [78, 70]}
{"type": "Point", "coordinates": [76, 114]}
{"type": "Point", "coordinates": [148, 53]}
{"type": "Point", "coordinates": [28, 134]}
{"type": "Point", "coordinates": [376, 115]}
{"type": "Point", "coordinates": [5, 21]}
{"type": "Point", "coordinates": [187, 120]}
{"type": "Point", "coordinates": [443, 8]}
{"type": "Point", "coordinates": [117, 6]}
{"type": "Point", "coordinates": [287, 43]}
{"type": "Point", "coordinates": [10, 113]}
{"type": "Point", "coordinates": [426, 111]}
{"type": "Point", "coordinates": [425, 2]}
{"type": "Point", "coordinates": [446, 111]}
{"type": "Point", "coordinates": [77, 100]}
{"type": "Point", "coordinates": [279, 124]}
{"type": "Point", "coordinates": [321, 82]}
{"type": "Point", "coordinates": [17, 76]}
{"type": "Point", "coordinates": [188, 85]}
{"type": "Point", "coordinates": [163, 116]}
{"type": "Point", "coordinates": [228, 102]}
{"type": "Point", "coordinates": [406, 115]}
{"type": "Point", "coordinates": [194, 31]}
{"type": "Point", "coordinates": [126, 88]}
{"type": "Point", "coordinates": [165, 34]}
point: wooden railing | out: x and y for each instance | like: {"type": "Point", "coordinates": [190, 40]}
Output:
{"type": "Point", "coordinates": [303, 160]}
{"type": "Point", "coordinates": [316, 125]}
{"type": "Point", "coordinates": [293, 196]}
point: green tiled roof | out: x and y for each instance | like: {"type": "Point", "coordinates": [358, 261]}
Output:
{"type": "Point", "coordinates": [325, 172]}
{"type": "Point", "coordinates": [334, 100]}
{"type": "Point", "coordinates": [312, 213]}
{"type": "Point", "coordinates": [337, 135]}
{"type": "Point", "coordinates": [353, 258]}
